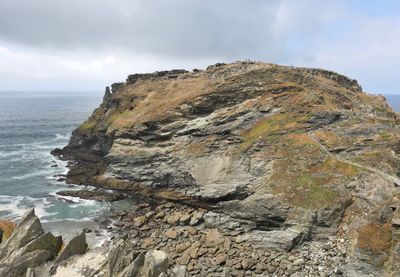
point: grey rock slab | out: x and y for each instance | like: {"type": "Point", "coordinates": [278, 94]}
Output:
{"type": "Point", "coordinates": [20, 264]}
{"type": "Point", "coordinates": [120, 256]}
{"type": "Point", "coordinates": [156, 262]}
{"type": "Point", "coordinates": [134, 268]}
{"type": "Point", "coordinates": [180, 271]}
{"type": "Point", "coordinates": [44, 242]}
{"type": "Point", "coordinates": [281, 240]}
{"type": "Point", "coordinates": [76, 245]}
{"type": "Point", "coordinates": [28, 229]}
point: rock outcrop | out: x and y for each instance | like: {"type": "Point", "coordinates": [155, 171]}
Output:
{"type": "Point", "coordinates": [31, 252]}
{"type": "Point", "coordinates": [295, 155]}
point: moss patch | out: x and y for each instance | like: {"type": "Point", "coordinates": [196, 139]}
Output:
{"type": "Point", "coordinates": [304, 189]}
{"type": "Point", "coordinates": [338, 168]}
{"type": "Point", "coordinates": [265, 127]}
{"type": "Point", "coordinates": [315, 186]}
{"type": "Point", "coordinates": [88, 124]}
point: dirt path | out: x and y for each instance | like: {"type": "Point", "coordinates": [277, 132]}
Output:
{"type": "Point", "coordinates": [382, 174]}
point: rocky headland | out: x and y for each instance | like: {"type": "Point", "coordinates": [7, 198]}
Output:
{"type": "Point", "coordinates": [246, 169]}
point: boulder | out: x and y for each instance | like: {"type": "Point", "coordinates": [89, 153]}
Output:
{"type": "Point", "coordinates": [155, 263]}
{"type": "Point", "coordinates": [180, 271]}
{"type": "Point", "coordinates": [135, 267]}
{"type": "Point", "coordinates": [30, 272]}
{"type": "Point", "coordinates": [44, 242]}
{"type": "Point", "coordinates": [121, 256]}
{"type": "Point", "coordinates": [28, 229]}
{"type": "Point", "coordinates": [279, 240]}
{"type": "Point", "coordinates": [196, 219]}
{"type": "Point", "coordinates": [76, 245]}
{"type": "Point", "coordinates": [214, 238]}
{"type": "Point", "coordinates": [20, 264]}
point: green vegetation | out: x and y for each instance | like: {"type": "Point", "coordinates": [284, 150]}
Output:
{"type": "Point", "coordinates": [314, 186]}
{"type": "Point", "coordinates": [311, 191]}
{"type": "Point", "coordinates": [384, 135]}
{"type": "Point", "coordinates": [88, 124]}
{"type": "Point", "coordinates": [116, 115]}
{"type": "Point", "coordinates": [272, 124]}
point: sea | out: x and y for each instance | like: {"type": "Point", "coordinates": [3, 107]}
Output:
{"type": "Point", "coordinates": [32, 123]}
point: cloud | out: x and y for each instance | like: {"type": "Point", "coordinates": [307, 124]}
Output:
{"type": "Point", "coordinates": [90, 43]}
{"type": "Point", "coordinates": [164, 28]}
{"type": "Point", "coordinates": [367, 51]}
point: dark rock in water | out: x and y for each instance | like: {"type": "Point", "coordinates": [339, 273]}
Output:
{"type": "Point", "coordinates": [105, 223]}
{"type": "Point", "coordinates": [92, 195]}
{"type": "Point", "coordinates": [56, 152]}
{"type": "Point", "coordinates": [75, 246]}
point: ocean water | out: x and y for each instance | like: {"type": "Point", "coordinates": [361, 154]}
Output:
{"type": "Point", "coordinates": [31, 125]}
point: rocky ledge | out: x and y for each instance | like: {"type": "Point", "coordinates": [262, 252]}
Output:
{"type": "Point", "coordinates": [296, 158]}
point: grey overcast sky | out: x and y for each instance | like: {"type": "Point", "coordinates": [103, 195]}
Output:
{"type": "Point", "coordinates": [88, 44]}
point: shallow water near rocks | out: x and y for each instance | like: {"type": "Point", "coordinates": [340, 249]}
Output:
{"type": "Point", "coordinates": [31, 125]}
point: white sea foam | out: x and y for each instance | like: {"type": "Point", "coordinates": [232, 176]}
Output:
{"type": "Point", "coordinates": [16, 206]}
{"type": "Point", "coordinates": [7, 154]}
{"type": "Point", "coordinates": [62, 136]}
{"type": "Point", "coordinates": [30, 175]}
{"type": "Point", "coordinates": [75, 201]}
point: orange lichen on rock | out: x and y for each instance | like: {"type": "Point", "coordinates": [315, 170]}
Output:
{"type": "Point", "coordinates": [375, 237]}
{"type": "Point", "coordinates": [8, 227]}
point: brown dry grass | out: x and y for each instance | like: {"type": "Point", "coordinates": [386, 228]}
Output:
{"type": "Point", "coordinates": [198, 148]}
{"type": "Point", "coordinates": [329, 138]}
{"type": "Point", "coordinates": [160, 98]}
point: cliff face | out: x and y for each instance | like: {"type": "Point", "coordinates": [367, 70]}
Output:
{"type": "Point", "coordinates": [299, 154]}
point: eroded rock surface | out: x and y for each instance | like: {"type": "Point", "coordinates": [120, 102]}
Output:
{"type": "Point", "coordinates": [294, 155]}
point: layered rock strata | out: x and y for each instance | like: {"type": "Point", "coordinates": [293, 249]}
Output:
{"type": "Point", "coordinates": [299, 154]}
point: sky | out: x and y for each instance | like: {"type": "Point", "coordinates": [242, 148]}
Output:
{"type": "Point", "coordinates": [84, 45]}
